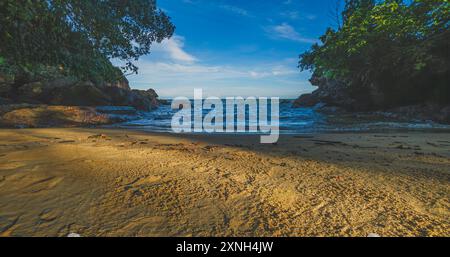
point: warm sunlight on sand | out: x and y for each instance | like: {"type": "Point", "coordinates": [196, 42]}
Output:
{"type": "Point", "coordinates": [97, 182]}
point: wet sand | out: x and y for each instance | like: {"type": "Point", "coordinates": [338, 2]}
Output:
{"type": "Point", "coordinates": [98, 182]}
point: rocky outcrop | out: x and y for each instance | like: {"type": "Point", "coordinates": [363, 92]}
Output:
{"type": "Point", "coordinates": [67, 101]}
{"type": "Point", "coordinates": [333, 96]}
{"type": "Point", "coordinates": [28, 115]}
{"type": "Point", "coordinates": [329, 92]}
{"type": "Point", "coordinates": [434, 112]}
{"type": "Point", "coordinates": [67, 91]}
{"type": "Point", "coordinates": [143, 99]}
{"type": "Point", "coordinates": [306, 100]}
{"type": "Point", "coordinates": [121, 83]}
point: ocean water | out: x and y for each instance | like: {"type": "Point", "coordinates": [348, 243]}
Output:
{"type": "Point", "coordinates": [300, 121]}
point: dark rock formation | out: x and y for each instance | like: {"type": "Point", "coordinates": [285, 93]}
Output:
{"type": "Point", "coordinates": [144, 99]}
{"type": "Point", "coordinates": [306, 100]}
{"type": "Point", "coordinates": [329, 92]}
{"type": "Point", "coordinates": [79, 94]}
{"type": "Point", "coordinates": [122, 83]}
{"type": "Point", "coordinates": [432, 112]}
{"type": "Point", "coordinates": [29, 115]}
{"type": "Point", "coordinates": [333, 96]}
{"type": "Point", "coordinates": [72, 92]}
{"type": "Point", "coordinates": [4, 101]}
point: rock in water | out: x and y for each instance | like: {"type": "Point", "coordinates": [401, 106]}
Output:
{"type": "Point", "coordinates": [306, 100]}
{"type": "Point", "coordinates": [330, 92]}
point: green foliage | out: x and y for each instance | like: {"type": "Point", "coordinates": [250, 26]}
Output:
{"type": "Point", "coordinates": [401, 47]}
{"type": "Point", "coordinates": [79, 37]}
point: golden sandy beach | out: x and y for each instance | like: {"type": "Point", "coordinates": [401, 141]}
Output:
{"type": "Point", "coordinates": [99, 182]}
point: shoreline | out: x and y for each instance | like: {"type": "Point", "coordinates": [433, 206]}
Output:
{"type": "Point", "coordinates": [54, 116]}
{"type": "Point", "coordinates": [117, 182]}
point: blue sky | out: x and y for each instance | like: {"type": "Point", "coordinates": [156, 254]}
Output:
{"type": "Point", "coordinates": [234, 48]}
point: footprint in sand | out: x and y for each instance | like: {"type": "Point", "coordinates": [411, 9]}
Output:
{"type": "Point", "coordinates": [284, 198]}
{"type": "Point", "coordinates": [142, 182]}
{"type": "Point", "coordinates": [48, 215]}
{"type": "Point", "coordinates": [7, 224]}
{"type": "Point", "coordinates": [144, 226]}
{"type": "Point", "coordinates": [42, 184]}
{"type": "Point", "coordinates": [147, 180]}
{"type": "Point", "coordinates": [66, 141]}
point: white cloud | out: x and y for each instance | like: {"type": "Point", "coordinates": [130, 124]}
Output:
{"type": "Point", "coordinates": [276, 71]}
{"type": "Point", "coordinates": [230, 8]}
{"type": "Point", "coordinates": [177, 79]}
{"type": "Point", "coordinates": [216, 72]}
{"type": "Point", "coordinates": [295, 15]}
{"type": "Point", "coordinates": [286, 31]}
{"type": "Point", "coordinates": [235, 9]}
{"type": "Point", "coordinates": [175, 69]}
{"type": "Point", "coordinates": [173, 47]}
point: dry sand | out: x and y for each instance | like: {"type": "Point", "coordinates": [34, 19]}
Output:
{"type": "Point", "coordinates": [98, 182]}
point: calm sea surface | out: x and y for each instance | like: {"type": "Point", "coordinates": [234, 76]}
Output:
{"type": "Point", "coordinates": [300, 121]}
